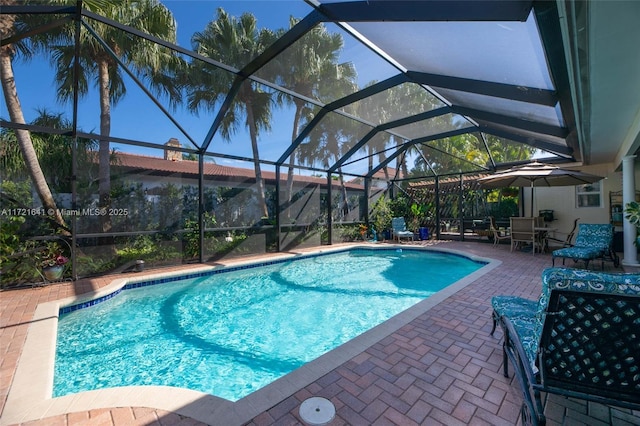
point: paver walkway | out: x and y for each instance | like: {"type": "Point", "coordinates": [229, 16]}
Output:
{"type": "Point", "coordinates": [441, 368]}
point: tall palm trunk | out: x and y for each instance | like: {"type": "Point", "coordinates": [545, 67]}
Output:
{"type": "Point", "coordinates": [24, 137]}
{"type": "Point", "coordinates": [370, 167]}
{"type": "Point", "coordinates": [292, 159]}
{"type": "Point", "coordinates": [253, 133]}
{"type": "Point", "coordinates": [404, 169]}
{"type": "Point", "coordinates": [104, 169]}
{"type": "Point", "coordinates": [343, 189]}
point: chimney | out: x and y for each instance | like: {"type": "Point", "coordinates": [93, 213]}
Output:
{"type": "Point", "coordinates": [170, 154]}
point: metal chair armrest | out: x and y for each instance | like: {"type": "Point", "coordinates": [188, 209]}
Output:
{"type": "Point", "coordinates": [532, 410]}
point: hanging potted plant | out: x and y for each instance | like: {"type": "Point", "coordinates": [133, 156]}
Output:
{"type": "Point", "coordinates": [510, 192]}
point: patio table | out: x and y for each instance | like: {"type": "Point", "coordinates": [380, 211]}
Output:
{"type": "Point", "coordinates": [542, 232]}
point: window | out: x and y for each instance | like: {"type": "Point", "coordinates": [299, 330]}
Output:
{"type": "Point", "coordinates": [589, 195]}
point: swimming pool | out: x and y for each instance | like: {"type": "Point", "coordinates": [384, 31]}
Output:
{"type": "Point", "coordinates": [228, 334]}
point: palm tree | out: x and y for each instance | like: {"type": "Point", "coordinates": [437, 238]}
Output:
{"type": "Point", "coordinates": [235, 42]}
{"type": "Point", "coordinates": [376, 111]}
{"type": "Point", "coordinates": [504, 151]}
{"type": "Point", "coordinates": [310, 68]}
{"type": "Point", "coordinates": [8, 26]}
{"type": "Point", "coordinates": [330, 140]}
{"type": "Point", "coordinates": [454, 153]}
{"type": "Point", "coordinates": [54, 152]}
{"type": "Point", "coordinates": [407, 99]}
{"type": "Point", "coordinates": [152, 62]}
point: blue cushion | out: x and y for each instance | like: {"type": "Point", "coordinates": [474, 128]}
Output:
{"type": "Point", "coordinates": [526, 330]}
{"type": "Point", "coordinates": [592, 241]}
{"type": "Point", "coordinates": [514, 306]}
{"type": "Point", "coordinates": [597, 235]}
{"type": "Point", "coordinates": [527, 316]}
{"type": "Point", "coordinates": [582, 253]}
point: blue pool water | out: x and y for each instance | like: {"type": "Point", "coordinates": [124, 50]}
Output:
{"type": "Point", "coordinates": [232, 333]}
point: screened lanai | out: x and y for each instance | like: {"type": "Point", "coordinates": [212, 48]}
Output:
{"type": "Point", "coordinates": [182, 131]}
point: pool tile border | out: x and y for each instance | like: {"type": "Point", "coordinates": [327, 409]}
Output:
{"type": "Point", "coordinates": [216, 271]}
{"type": "Point", "coordinates": [30, 396]}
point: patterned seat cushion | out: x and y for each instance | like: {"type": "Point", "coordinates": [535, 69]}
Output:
{"type": "Point", "coordinates": [526, 330]}
{"type": "Point", "coordinates": [514, 306]}
{"type": "Point", "coordinates": [582, 253]}
{"type": "Point", "coordinates": [593, 241]}
{"type": "Point", "coordinates": [527, 316]}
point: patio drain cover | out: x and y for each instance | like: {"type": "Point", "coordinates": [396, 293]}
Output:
{"type": "Point", "coordinates": [317, 411]}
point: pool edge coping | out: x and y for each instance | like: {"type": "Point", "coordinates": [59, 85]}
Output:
{"type": "Point", "coordinates": [29, 396]}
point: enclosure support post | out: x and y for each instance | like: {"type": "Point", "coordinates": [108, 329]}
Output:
{"type": "Point", "coordinates": [74, 206]}
{"type": "Point", "coordinates": [437, 189]}
{"type": "Point", "coordinates": [74, 147]}
{"type": "Point", "coordinates": [329, 212]}
{"type": "Point", "coordinates": [277, 212]}
{"type": "Point", "coordinates": [201, 206]}
{"type": "Point", "coordinates": [367, 189]}
{"type": "Point", "coordinates": [460, 209]}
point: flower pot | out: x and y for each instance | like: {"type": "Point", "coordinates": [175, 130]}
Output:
{"type": "Point", "coordinates": [53, 273]}
{"type": "Point", "coordinates": [424, 233]}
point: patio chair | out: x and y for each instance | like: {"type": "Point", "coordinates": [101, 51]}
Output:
{"type": "Point", "coordinates": [522, 231]}
{"type": "Point", "coordinates": [399, 228]}
{"type": "Point", "coordinates": [497, 237]}
{"type": "Point", "coordinates": [592, 242]}
{"type": "Point", "coordinates": [580, 339]}
{"type": "Point", "coordinates": [566, 241]}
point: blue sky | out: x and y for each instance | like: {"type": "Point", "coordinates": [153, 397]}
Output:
{"type": "Point", "coordinates": [136, 117]}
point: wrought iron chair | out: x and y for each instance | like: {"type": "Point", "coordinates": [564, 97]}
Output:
{"type": "Point", "coordinates": [589, 348]}
{"type": "Point", "coordinates": [566, 241]}
{"type": "Point", "coordinates": [580, 339]}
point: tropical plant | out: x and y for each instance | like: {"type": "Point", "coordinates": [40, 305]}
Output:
{"type": "Point", "coordinates": [376, 109]}
{"type": "Point", "coordinates": [9, 26]}
{"type": "Point", "coordinates": [54, 152]}
{"type": "Point", "coordinates": [310, 68]}
{"type": "Point", "coordinates": [98, 62]}
{"type": "Point", "coordinates": [331, 138]}
{"type": "Point", "coordinates": [52, 255]}
{"type": "Point", "coordinates": [632, 214]}
{"type": "Point", "coordinates": [419, 214]}
{"type": "Point", "coordinates": [350, 232]}
{"type": "Point", "coordinates": [235, 42]}
{"type": "Point", "coordinates": [381, 215]}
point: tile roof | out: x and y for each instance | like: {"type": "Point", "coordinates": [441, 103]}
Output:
{"type": "Point", "coordinates": [138, 164]}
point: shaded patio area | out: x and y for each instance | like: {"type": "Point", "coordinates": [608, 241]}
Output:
{"type": "Point", "coordinates": [441, 368]}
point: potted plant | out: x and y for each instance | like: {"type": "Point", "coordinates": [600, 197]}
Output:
{"type": "Point", "coordinates": [381, 216]}
{"type": "Point", "coordinates": [362, 229]}
{"type": "Point", "coordinates": [632, 213]}
{"type": "Point", "coordinates": [419, 220]}
{"type": "Point", "coordinates": [52, 262]}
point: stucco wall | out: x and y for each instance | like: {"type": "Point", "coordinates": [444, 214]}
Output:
{"type": "Point", "coordinates": [562, 200]}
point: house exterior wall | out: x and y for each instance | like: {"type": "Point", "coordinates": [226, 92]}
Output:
{"type": "Point", "coordinates": [562, 200]}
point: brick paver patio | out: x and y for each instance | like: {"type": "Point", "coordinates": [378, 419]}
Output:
{"type": "Point", "coordinates": [441, 368]}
